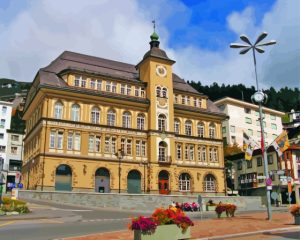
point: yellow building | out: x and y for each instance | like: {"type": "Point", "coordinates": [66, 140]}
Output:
{"type": "Point", "coordinates": [94, 124]}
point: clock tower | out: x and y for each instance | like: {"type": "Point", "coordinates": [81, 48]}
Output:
{"type": "Point", "coordinates": [156, 70]}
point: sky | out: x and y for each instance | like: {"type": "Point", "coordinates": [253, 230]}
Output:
{"type": "Point", "coordinates": [194, 33]}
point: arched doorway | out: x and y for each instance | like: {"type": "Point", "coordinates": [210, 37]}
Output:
{"type": "Point", "coordinates": [163, 182]}
{"type": "Point", "coordinates": [63, 178]}
{"type": "Point", "coordinates": [134, 182]}
{"type": "Point", "coordinates": [102, 180]}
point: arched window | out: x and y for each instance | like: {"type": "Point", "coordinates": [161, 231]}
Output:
{"type": "Point", "coordinates": [188, 127]}
{"type": "Point", "coordinates": [162, 152]}
{"type": "Point", "coordinates": [140, 121]}
{"type": "Point", "coordinates": [95, 115]}
{"type": "Point", "coordinates": [58, 110]}
{"type": "Point", "coordinates": [158, 91]}
{"type": "Point", "coordinates": [213, 155]}
{"type": "Point", "coordinates": [209, 183]}
{"type": "Point", "coordinates": [177, 126]}
{"type": "Point", "coordinates": [111, 118]}
{"type": "Point", "coordinates": [164, 93]}
{"type": "Point", "coordinates": [200, 130]}
{"type": "Point", "coordinates": [212, 130]}
{"type": "Point", "coordinates": [126, 120]}
{"type": "Point", "coordinates": [184, 182]}
{"type": "Point", "coordinates": [161, 122]}
{"type": "Point", "coordinates": [75, 112]}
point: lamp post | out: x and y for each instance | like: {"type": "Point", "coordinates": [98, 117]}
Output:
{"type": "Point", "coordinates": [259, 97]}
{"type": "Point", "coordinates": [145, 164]}
{"type": "Point", "coordinates": [120, 155]}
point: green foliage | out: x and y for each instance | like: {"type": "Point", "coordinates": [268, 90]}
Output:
{"type": "Point", "coordinates": [22, 209]}
{"type": "Point", "coordinates": [284, 99]}
{"type": "Point", "coordinates": [9, 201]}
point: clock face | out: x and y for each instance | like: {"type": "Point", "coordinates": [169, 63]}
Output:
{"type": "Point", "coordinates": [161, 71]}
{"type": "Point", "coordinates": [258, 96]}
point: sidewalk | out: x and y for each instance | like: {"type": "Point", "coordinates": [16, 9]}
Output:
{"type": "Point", "coordinates": [214, 228]}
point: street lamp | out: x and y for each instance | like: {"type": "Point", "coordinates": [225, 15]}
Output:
{"type": "Point", "coordinates": [120, 155]}
{"type": "Point", "coordinates": [145, 164]}
{"type": "Point", "coordinates": [258, 96]}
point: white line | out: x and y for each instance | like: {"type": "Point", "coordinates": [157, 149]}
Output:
{"type": "Point", "coordinates": [249, 233]}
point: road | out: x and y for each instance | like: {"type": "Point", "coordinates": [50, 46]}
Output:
{"type": "Point", "coordinates": [56, 221]}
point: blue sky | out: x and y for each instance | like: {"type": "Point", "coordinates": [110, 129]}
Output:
{"type": "Point", "coordinates": [195, 33]}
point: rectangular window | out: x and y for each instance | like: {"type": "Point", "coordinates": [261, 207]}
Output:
{"type": "Point", "coordinates": [188, 101]}
{"type": "Point", "coordinates": [15, 138]}
{"type": "Point", "coordinates": [259, 161]}
{"type": "Point", "coordinates": [257, 123]}
{"type": "Point", "coordinates": [128, 90]}
{"type": "Point", "coordinates": [123, 88]}
{"type": "Point", "coordinates": [178, 151]}
{"type": "Point", "coordinates": [60, 138]}
{"type": "Point", "coordinates": [98, 144]}
{"type": "Point", "coordinates": [142, 92]}
{"type": "Point", "coordinates": [274, 136]}
{"type": "Point", "coordinates": [223, 129]}
{"type": "Point", "coordinates": [83, 82]}
{"type": "Point", "coordinates": [2, 123]}
{"type": "Point", "coordinates": [91, 143]}
{"type": "Point", "coordinates": [4, 110]}
{"type": "Point", "coordinates": [99, 85]}
{"type": "Point", "coordinates": [113, 145]}
{"type": "Point", "coordinates": [249, 163]}
{"type": "Point", "coordinates": [1, 135]}
{"type": "Point", "coordinates": [232, 129]}
{"type": "Point", "coordinates": [77, 81]}
{"type": "Point", "coordinates": [247, 110]}
{"type": "Point", "coordinates": [270, 159]}
{"type": "Point", "coordinates": [260, 180]}
{"type": "Point", "coordinates": [128, 147]}
{"type": "Point", "coordinates": [273, 117]}
{"type": "Point", "coordinates": [143, 148]}
{"type": "Point", "coordinates": [2, 149]}
{"type": "Point", "coordinates": [136, 91]}
{"type": "Point", "coordinates": [250, 132]}
{"type": "Point", "coordinates": [108, 86]}
{"type": "Point", "coordinates": [70, 141]}
{"type": "Point", "coordinates": [248, 120]}
{"type": "Point", "coordinates": [176, 98]}
{"type": "Point", "coordinates": [14, 150]}
{"type": "Point", "coordinates": [92, 83]}
{"type": "Point", "coordinates": [138, 148]}
{"type": "Point", "coordinates": [256, 113]}
{"type": "Point", "coordinates": [107, 144]}
{"type": "Point", "coordinates": [52, 138]}
{"type": "Point", "coordinates": [77, 142]}
{"type": "Point", "coordinates": [114, 87]}
{"type": "Point", "coordinates": [183, 99]}
{"type": "Point", "coordinates": [240, 165]}
{"type": "Point", "coordinates": [274, 126]}
{"type": "Point", "coordinates": [191, 157]}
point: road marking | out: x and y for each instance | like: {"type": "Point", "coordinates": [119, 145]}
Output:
{"type": "Point", "coordinates": [105, 219]}
{"type": "Point", "coordinates": [72, 210]}
{"type": "Point", "coordinates": [7, 223]}
{"type": "Point", "coordinates": [51, 221]}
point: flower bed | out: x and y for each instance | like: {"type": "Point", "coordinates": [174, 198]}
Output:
{"type": "Point", "coordinates": [188, 207]}
{"type": "Point", "coordinates": [161, 217]}
{"type": "Point", "coordinates": [13, 207]}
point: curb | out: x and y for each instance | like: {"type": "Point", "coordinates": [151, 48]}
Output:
{"type": "Point", "coordinates": [33, 218]}
{"type": "Point", "coordinates": [247, 233]}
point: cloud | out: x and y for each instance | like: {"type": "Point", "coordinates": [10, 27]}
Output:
{"type": "Point", "coordinates": [119, 30]}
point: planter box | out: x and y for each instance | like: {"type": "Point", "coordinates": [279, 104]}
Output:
{"type": "Point", "coordinates": [210, 208]}
{"type": "Point", "coordinates": [164, 232]}
{"type": "Point", "coordinates": [297, 220]}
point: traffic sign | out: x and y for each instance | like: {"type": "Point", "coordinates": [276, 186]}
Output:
{"type": "Point", "coordinates": [274, 195]}
{"type": "Point", "coordinates": [269, 182]}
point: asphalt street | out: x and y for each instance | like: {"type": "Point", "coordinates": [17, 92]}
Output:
{"type": "Point", "coordinates": [54, 221]}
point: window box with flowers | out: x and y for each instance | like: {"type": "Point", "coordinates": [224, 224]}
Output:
{"type": "Point", "coordinates": [164, 224]}
{"type": "Point", "coordinates": [295, 211]}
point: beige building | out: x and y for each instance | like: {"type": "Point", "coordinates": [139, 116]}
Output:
{"type": "Point", "coordinates": [244, 117]}
{"type": "Point", "coordinates": [99, 125]}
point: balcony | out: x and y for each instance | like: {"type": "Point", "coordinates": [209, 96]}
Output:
{"type": "Point", "coordinates": [164, 159]}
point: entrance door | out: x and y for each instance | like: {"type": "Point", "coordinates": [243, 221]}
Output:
{"type": "Point", "coordinates": [102, 181]}
{"type": "Point", "coordinates": [163, 182]}
{"type": "Point", "coordinates": [134, 182]}
{"type": "Point", "coordinates": [63, 178]}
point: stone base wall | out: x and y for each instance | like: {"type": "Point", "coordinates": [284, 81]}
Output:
{"type": "Point", "coordinates": [134, 201]}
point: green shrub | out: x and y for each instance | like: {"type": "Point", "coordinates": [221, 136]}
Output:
{"type": "Point", "coordinates": [22, 209]}
{"type": "Point", "coordinates": [8, 200]}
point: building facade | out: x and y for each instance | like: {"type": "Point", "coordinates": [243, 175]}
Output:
{"type": "Point", "coordinates": [94, 124]}
{"type": "Point", "coordinates": [244, 117]}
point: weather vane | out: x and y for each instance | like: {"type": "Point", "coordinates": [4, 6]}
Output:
{"type": "Point", "coordinates": [153, 21]}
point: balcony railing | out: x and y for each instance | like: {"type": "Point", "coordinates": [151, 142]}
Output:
{"type": "Point", "coordinates": [164, 159]}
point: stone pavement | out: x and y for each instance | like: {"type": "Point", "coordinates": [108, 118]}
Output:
{"type": "Point", "coordinates": [245, 224]}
